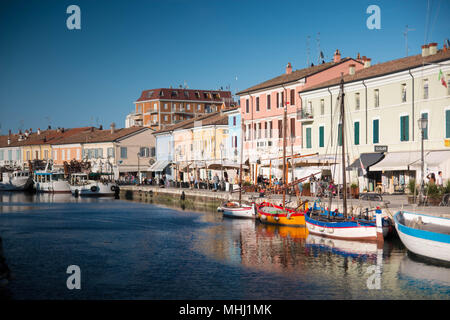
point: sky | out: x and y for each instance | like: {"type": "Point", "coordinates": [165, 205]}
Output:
{"type": "Point", "coordinates": [50, 75]}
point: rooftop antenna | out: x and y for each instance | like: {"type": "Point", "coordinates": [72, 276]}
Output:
{"type": "Point", "coordinates": [405, 33]}
{"type": "Point", "coordinates": [307, 51]}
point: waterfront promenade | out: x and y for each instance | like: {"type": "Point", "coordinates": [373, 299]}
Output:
{"type": "Point", "coordinates": [203, 197]}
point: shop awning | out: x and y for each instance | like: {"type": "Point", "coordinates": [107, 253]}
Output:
{"type": "Point", "coordinates": [432, 159]}
{"type": "Point", "coordinates": [159, 165]}
{"type": "Point", "coordinates": [367, 160]}
{"type": "Point", "coordinates": [396, 161]}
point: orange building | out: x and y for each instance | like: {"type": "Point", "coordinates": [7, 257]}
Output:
{"type": "Point", "coordinates": [158, 108]}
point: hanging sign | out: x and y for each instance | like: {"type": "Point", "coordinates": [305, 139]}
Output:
{"type": "Point", "coordinates": [380, 148]}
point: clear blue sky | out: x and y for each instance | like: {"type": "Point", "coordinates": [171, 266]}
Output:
{"type": "Point", "coordinates": [52, 75]}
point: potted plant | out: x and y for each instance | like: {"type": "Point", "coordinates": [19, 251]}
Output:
{"type": "Point", "coordinates": [412, 190]}
{"type": "Point", "coordinates": [433, 193]}
{"type": "Point", "coordinates": [354, 191]}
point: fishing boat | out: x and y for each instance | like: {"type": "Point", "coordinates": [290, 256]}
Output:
{"type": "Point", "coordinates": [81, 185]}
{"type": "Point", "coordinates": [17, 180]}
{"type": "Point", "coordinates": [51, 181]}
{"type": "Point", "coordinates": [236, 209]}
{"type": "Point", "coordinates": [424, 235]}
{"type": "Point", "coordinates": [324, 222]}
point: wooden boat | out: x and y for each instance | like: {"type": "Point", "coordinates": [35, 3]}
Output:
{"type": "Point", "coordinates": [339, 226]}
{"type": "Point", "coordinates": [277, 215]}
{"type": "Point", "coordinates": [81, 185]}
{"type": "Point", "coordinates": [50, 181]}
{"type": "Point", "coordinates": [17, 180]}
{"type": "Point", "coordinates": [232, 209]}
{"type": "Point", "coordinates": [424, 235]}
{"type": "Point", "coordinates": [346, 248]}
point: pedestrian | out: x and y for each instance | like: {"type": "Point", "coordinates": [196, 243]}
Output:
{"type": "Point", "coordinates": [431, 178]}
{"type": "Point", "coordinates": [191, 181]}
{"type": "Point", "coordinates": [216, 181]}
{"type": "Point", "coordinates": [439, 180]}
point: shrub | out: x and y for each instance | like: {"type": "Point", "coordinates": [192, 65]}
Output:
{"type": "Point", "coordinates": [432, 191]}
{"type": "Point", "coordinates": [412, 185]}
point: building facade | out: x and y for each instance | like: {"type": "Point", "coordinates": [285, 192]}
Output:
{"type": "Point", "coordinates": [159, 108]}
{"type": "Point", "coordinates": [262, 111]}
{"type": "Point", "coordinates": [383, 103]}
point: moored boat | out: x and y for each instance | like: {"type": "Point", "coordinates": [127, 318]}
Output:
{"type": "Point", "coordinates": [51, 181]}
{"type": "Point", "coordinates": [424, 235]}
{"type": "Point", "coordinates": [81, 185]}
{"type": "Point", "coordinates": [232, 209]}
{"type": "Point", "coordinates": [16, 181]}
{"type": "Point", "coordinates": [277, 215]}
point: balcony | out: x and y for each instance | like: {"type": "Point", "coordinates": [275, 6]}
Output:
{"type": "Point", "coordinates": [305, 115]}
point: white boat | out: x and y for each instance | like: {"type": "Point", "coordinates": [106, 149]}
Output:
{"type": "Point", "coordinates": [81, 185]}
{"type": "Point", "coordinates": [16, 180]}
{"type": "Point", "coordinates": [424, 235]}
{"type": "Point", "coordinates": [51, 181]}
{"type": "Point", "coordinates": [232, 209]}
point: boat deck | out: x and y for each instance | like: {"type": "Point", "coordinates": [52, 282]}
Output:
{"type": "Point", "coordinates": [428, 227]}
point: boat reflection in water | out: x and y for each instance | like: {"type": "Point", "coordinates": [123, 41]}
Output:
{"type": "Point", "coordinates": [419, 271]}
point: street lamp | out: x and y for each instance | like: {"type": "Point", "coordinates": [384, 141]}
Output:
{"type": "Point", "coordinates": [139, 168]}
{"type": "Point", "coordinates": [423, 124]}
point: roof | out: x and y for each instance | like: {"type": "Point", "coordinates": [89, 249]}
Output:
{"type": "Point", "coordinates": [385, 68]}
{"type": "Point", "coordinates": [216, 118]}
{"type": "Point", "coordinates": [69, 136]}
{"type": "Point", "coordinates": [181, 94]}
{"type": "Point", "coordinates": [294, 76]}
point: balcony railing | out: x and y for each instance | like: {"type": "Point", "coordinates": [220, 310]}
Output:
{"type": "Point", "coordinates": [305, 115]}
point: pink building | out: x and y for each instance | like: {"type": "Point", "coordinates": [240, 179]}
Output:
{"type": "Point", "coordinates": [262, 112]}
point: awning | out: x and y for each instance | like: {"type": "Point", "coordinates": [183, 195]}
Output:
{"type": "Point", "coordinates": [367, 159]}
{"type": "Point", "coordinates": [432, 159]}
{"type": "Point", "coordinates": [159, 165]}
{"type": "Point", "coordinates": [396, 161]}
{"type": "Point", "coordinates": [226, 165]}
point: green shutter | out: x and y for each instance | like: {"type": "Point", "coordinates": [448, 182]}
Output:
{"type": "Point", "coordinates": [356, 133]}
{"type": "Point", "coordinates": [308, 138]}
{"type": "Point", "coordinates": [404, 128]}
{"type": "Point", "coordinates": [447, 123]}
{"type": "Point", "coordinates": [425, 132]}
{"type": "Point", "coordinates": [321, 137]}
{"type": "Point", "coordinates": [376, 132]}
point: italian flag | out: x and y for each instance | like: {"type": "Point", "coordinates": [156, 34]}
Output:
{"type": "Point", "coordinates": [441, 77]}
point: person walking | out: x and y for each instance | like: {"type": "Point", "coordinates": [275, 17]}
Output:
{"type": "Point", "coordinates": [439, 180]}
{"type": "Point", "coordinates": [216, 181]}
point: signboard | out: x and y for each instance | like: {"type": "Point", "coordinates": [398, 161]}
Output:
{"type": "Point", "coordinates": [380, 148]}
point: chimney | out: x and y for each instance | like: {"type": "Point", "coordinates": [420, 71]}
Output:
{"type": "Point", "coordinates": [432, 48]}
{"type": "Point", "coordinates": [39, 131]}
{"type": "Point", "coordinates": [425, 50]}
{"type": "Point", "coordinates": [113, 128]}
{"type": "Point", "coordinates": [49, 127]}
{"type": "Point", "coordinates": [288, 68]}
{"type": "Point", "coordinates": [337, 56]}
{"type": "Point", "coordinates": [367, 62]}
{"type": "Point", "coordinates": [62, 129]}
{"type": "Point", "coordinates": [9, 137]}
{"type": "Point", "coordinates": [101, 127]}
{"type": "Point", "coordinates": [351, 69]}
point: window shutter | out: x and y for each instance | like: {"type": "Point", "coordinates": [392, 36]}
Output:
{"type": "Point", "coordinates": [376, 131]}
{"type": "Point", "coordinates": [356, 133]}
{"type": "Point", "coordinates": [340, 134]}
{"type": "Point", "coordinates": [308, 138]}
{"type": "Point", "coordinates": [447, 123]}
{"type": "Point", "coordinates": [321, 137]}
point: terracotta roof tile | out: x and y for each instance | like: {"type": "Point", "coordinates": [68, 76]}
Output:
{"type": "Point", "coordinates": [181, 94]}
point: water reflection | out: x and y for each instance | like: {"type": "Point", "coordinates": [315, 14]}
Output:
{"type": "Point", "coordinates": [425, 273]}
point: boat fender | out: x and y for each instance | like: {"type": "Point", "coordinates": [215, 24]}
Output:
{"type": "Point", "coordinates": [262, 216]}
{"type": "Point", "coordinates": [276, 218]}
{"type": "Point", "coordinates": [94, 188]}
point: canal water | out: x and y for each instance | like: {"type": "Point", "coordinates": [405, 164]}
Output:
{"type": "Point", "coordinates": [133, 250]}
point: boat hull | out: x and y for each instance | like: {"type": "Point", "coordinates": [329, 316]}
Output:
{"type": "Point", "coordinates": [94, 189]}
{"type": "Point", "coordinates": [348, 230]}
{"type": "Point", "coordinates": [424, 243]}
{"type": "Point", "coordinates": [59, 186]}
{"type": "Point", "coordinates": [234, 210]}
{"type": "Point", "coordinates": [267, 213]}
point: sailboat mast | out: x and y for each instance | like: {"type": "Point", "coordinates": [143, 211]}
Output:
{"type": "Point", "coordinates": [284, 153]}
{"type": "Point", "coordinates": [344, 179]}
{"type": "Point", "coordinates": [240, 166]}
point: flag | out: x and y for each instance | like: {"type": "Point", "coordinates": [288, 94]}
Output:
{"type": "Point", "coordinates": [362, 167]}
{"type": "Point", "coordinates": [442, 78]}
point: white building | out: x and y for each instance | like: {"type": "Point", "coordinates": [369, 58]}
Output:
{"type": "Point", "coordinates": [383, 103]}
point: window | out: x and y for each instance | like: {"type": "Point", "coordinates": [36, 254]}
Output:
{"type": "Point", "coordinates": [278, 99]}
{"type": "Point", "coordinates": [265, 130]}
{"type": "Point", "coordinates": [356, 133]}
{"type": "Point", "coordinates": [161, 93]}
{"type": "Point", "coordinates": [45, 155]}
{"type": "Point", "coordinates": [144, 152]}
{"type": "Point", "coordinates": [404, 128]}
{"type": "Point", "coordinates": [308, 138]}
{"type": "Point", "coordinates": [280, 128]}
{"type": "Point", "coordinates": [18, 155]}
{"type": "Point", "coordinates": [197, 94]}
{"type": "Point", "coordinates": [123, 152]}
{"type": "Point", "coordinates": [36, 153]}
{"type": "Point", "coordinates": [78, 154]}
{"type": "Point", "coordinates": [235, 142]}
{"type": "Point", "coordinates": [271, 128]}
{"type": "Point", "coordinates": [357, 101]}
{"type": "Point", "coordinates": [321, 136]}
{"type": "Point", "coordinates": [259, 130]}
{"type": "Point", "coordinates": [2, 155]}
{"type": "Point", "coordinates": [249, 132]}
{"type": "Point", "coordinates": [292, 97]}
{"type": "Point", "coordinates": [63, 154]}
{"type": "Point", "coordinates": [199, 107]}
{"type": "Point", "coordinates": [292, 127]}
{"type": "Point", "coordinates": [268, 102]}
{"type": "Point", "coordinates": [447, 123]}
{"type": "Point", "coordinates": [234, 121]}
{"type": "Point", "coordinates": [166, 118]}
{"type": "Point", "coordinates": [247, 106]}
{"type": "Point", "coordinates": [376, 131]}
{"type": "Point", "coordinates": [257, 103]}
{"type": "Point", "coordinates": [322, 106]}
{"type": "Point", "coordinates": [425, 131]}
{"type": "Point", "coordinates": [165, 106]}
{"type": "Point", "coordinates": [403, 92]}
{"type": "Point", "coordinates": [282, 99]}
{"type": "Point", "coordinates": [425, 88]}
{"type": "Point", "coordinates": [376, 98]}
{"type": "Point", "coordinates": [29, 156]}
{"type": "Point", "coordinates": [155, 107]}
